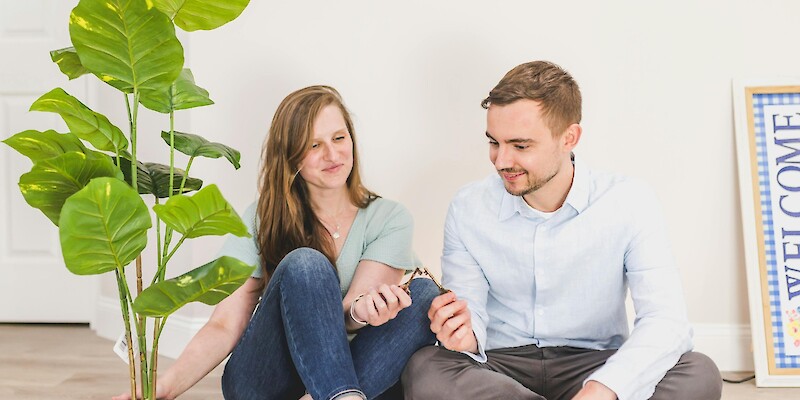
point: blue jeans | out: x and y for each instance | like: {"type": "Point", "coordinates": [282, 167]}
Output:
{"type": "Point", "coordinates": [296, 340]}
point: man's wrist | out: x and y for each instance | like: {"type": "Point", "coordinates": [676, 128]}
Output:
{"type": "Point", "coordinates": [600, 390]}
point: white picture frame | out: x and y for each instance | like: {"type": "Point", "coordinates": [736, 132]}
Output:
{"type": "Point", "coordinates": [766, 112]}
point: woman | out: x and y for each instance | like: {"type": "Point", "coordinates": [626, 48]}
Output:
{"type": "Point", "coordinates": [332, 254]}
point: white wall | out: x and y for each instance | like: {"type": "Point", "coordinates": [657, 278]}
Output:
{"type": "Point", "coordinates": [656, 79]}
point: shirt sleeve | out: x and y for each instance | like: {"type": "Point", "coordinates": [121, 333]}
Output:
{"type": "Point", "coordinates": [661, 332]}
{"type": "Point", "coordinates": [245, 248]}
{"type": "Point", "coordinates": [392, 244]}
{"type": "Point", "coordinates": [462, 274]}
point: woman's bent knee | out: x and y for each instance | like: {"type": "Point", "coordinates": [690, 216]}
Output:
{"type": "Point", "coordinates": [423, 291]}
{"type": "Point", "coordinates": [306, 266]}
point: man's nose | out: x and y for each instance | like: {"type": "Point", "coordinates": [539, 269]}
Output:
{"type": "Point", "coordinates": [503, 159]}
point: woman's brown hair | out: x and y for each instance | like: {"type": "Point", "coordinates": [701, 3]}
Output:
{"type": "Point", "coordinates": [284, 215]}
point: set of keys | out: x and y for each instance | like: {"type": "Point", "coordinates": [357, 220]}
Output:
{"type": "Point", "coordinates": [421, 272]}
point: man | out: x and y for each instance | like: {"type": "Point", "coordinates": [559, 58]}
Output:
{"type": "Point", "coordinates": [539, 259]}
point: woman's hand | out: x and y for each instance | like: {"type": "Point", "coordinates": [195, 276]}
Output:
{"type": "Point", "coordinates": [378, 306]}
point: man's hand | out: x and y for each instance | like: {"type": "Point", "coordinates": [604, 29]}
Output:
{"type": "Point", "coordinates": [594, 390]}
{"type": "Point", "coordinates": [451, 321]}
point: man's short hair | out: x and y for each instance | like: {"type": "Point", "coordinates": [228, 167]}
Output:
{"type": "Point", "coordinates": [544, 82]}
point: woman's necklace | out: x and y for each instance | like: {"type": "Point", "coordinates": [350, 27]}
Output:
{"type": "Point", "coordinates": [336, 234]}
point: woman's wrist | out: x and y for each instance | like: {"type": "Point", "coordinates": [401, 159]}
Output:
{"type": "Point", "coordinates": [353, 310]}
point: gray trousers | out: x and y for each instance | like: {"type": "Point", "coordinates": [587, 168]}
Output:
{"type": "Point", "coordinates": [548, 373]}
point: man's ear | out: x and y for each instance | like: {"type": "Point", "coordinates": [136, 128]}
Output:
{"type": "Point", "coordinates": [571, 136]}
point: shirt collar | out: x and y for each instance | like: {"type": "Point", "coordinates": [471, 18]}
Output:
{"type": "Point", "coordinates": [577, 198]}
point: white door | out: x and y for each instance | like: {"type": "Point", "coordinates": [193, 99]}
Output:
{"type": "Point", "coordinates": [35, 286]}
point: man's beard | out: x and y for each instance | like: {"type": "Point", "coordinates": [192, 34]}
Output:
{"type": "Point", "coordinates": [532, 185]}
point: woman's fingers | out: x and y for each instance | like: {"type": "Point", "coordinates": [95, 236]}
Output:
{"type": "Point", "coordinates": [403, 298]}
{"type": "Point", "coordinates": [373, 317]}
{"type": "Point", "coordinates": [380, 303]}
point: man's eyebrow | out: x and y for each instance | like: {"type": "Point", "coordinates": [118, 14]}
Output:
{"type": "Point", "coordinates": [516, 140]}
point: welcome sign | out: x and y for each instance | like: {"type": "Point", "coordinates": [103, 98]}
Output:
{"type": "Point", "coordinates": [768, 152]}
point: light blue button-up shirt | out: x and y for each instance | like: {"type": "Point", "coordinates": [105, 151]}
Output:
{"type": "Point", "coordinates": [562, 281]}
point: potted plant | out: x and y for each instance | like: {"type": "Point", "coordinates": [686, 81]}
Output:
{"type": "Point", "coordinates": [89, 181]}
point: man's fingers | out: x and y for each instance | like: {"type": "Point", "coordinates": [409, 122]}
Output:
{"type": "Point", "coordinates": [445, 315]}
{"type": "Point", "coordinates": [439, 302]}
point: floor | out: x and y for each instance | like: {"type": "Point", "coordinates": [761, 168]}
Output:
{"type": "Point", "coordinates": [66, 362]}
{"type": "Point", "coordinates": [48, 362]}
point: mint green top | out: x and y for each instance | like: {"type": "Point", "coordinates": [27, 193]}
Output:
{"type": "Point", "coordinates": [381, 232]}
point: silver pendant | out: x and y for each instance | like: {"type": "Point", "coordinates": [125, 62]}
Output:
{"type": "Point", "coordinates": [335, 235]}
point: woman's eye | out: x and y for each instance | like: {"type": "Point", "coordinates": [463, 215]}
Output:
{"type": "Point", "coordinates": [315, 145]}
{"type": "Point", "coordinates": [338, 138]}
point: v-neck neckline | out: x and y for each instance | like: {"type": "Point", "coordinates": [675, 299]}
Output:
{"type": "Point", "coordinates": [349, 232]}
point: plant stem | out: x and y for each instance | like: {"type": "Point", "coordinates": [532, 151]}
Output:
{"type": "Point", "coordinates": [158, 242]}
{"type": "Point", "coordinates": [141, 322]}
{"type": "Point", "coordinates": [123, 302]}
{"type": "Point", "coordinates": [171, 146]}
{"type": "Point", "coordinates": [133, 117]}
{"type": "Point", "coordinates": [138, 275]}
{"type": "Point", "coordinates": [186, 174]}
{"type": "Point", "coordinates": [158, 327]}
{"type": "Point", "coordinates": [163, 267]}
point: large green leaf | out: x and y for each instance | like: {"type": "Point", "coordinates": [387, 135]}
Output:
{"type": "Point", "coordinates": [128, 44]}
{"type": "Point", "coordinates": [83, 122]}
{"type": "Point", "coordinates": [208, 284]}
{"type": "Point", "coordinates": [192, 15]}
{"type": "Point", "coordinates": [205, 213]}
{"type": "Point", "coordinates": [182, 94]}
{"type": "Point", "coordinates": [153, 178]}
{"type": "Point", "coordinates": [197, 146]}
{"type": "Point", "coordinates": [51, 181]}
{"type": "Point", "coordinates": [68, 62]}
{"type": "Point", "coordinates": [43, 145]}
{"type": "Point", "coordinates": [103, 227]}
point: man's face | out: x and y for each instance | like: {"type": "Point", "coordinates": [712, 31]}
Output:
{"type": "Point", "coordinates": [522, 147]}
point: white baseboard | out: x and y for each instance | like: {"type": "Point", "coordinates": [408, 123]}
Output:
{"type": "Point", "coordinates": [174, 338]}
{"type": "Point", "coordinates": [730, 346]}
{"type": "Point", "coordinates": [727, 344]}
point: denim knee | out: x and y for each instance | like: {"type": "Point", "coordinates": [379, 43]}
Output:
{"type": "Point", "coordinates": [306, 268]}
{"type": "Point", "coordinates": [423, 291]}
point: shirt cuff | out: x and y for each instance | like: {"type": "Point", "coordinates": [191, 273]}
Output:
{"type": "Point", "coordinates": [619, 384]}
{"type": "Point", "coordinates": [479, 328]}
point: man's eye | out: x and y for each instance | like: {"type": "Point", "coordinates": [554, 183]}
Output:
{"type": "Point", "coordinates": [521, 147]}
{"type": "Point", "coordinates": [492, 143]}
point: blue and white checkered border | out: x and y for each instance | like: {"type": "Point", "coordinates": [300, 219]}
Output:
{"type": "Point", "coordinates": [759, 101]}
